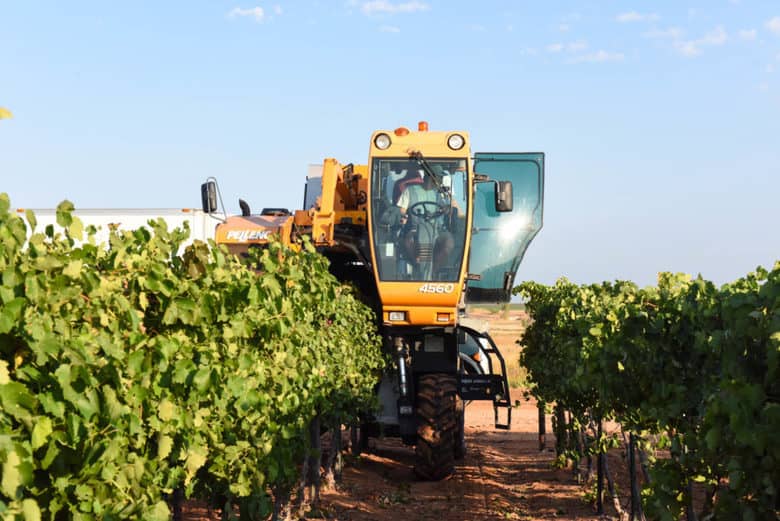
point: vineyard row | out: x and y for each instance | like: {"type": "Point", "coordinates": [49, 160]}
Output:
{"type": "Point", "coordinates": [683, 366]}
{"type": "Point", "coordinates": [129, 372]}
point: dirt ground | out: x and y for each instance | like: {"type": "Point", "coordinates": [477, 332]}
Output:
{"type": "Point", "coordinates": [503, 476]}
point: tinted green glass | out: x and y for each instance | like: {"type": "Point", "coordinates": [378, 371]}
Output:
{"type": "Point", "coordinates": [499, 240]}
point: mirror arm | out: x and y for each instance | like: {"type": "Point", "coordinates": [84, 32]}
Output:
{"type": "Point", "coordinates": [222, 219]}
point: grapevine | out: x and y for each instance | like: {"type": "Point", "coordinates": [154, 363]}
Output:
{"type": "Point", "coordinates": [128, 371]}
{"type": "Point", "coordinates": [685, 363]}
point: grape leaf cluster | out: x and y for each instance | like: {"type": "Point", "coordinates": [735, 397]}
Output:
{"type": "Point", "coordinates": [686, 362]}
{"type": "Point", "coordinates": [128, 370]}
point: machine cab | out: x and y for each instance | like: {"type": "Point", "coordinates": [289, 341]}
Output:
{"type": "Point", "coordinates": [419, 214]}
{"type": "Point", "coordinates": [436, 215]}
{"type": "Point", "coordinates": [500, 238]}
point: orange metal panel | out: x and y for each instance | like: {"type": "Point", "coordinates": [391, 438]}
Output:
{"type": "Point", "coordinates": [355, 216]}
{"type": "Point", "coordinates": [252, 229]}
{"type": "Point", "coordinates": [426, 294]}
{"type": "Point", "coordinates": [322, 222]}
{"type": "Point", "coordinates": [420, 316]}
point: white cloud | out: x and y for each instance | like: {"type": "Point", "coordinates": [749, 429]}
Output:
{"type": "Point", "coordinates": [572, 47]}
{"type": "Point", "coordinates": [770, 68]}
{"type": "Point", "coordinates": [252, 12]}
{"type": "Point", "coordinates": [715, 37]}
{"type": "Point", "coordinates": [278, 10]}
{"type": "Point", "coordinates": [693, 48]}
{"type": "Point", "coordinates": [600, 56]}
{"type": "Point", "coordinates": [688, 49]}
{"type": "Point", "coordinates": [763, 86]}
{"type": "Point", "coordinates": [385, 7]}
{"type": "Point", "coordinates": [529, 51]}
{"type": "Point", "coordinates": [633, 16]}
{"type": "Point", "coordinates": [774, 25]}
{"type": "Point", "coordinates": [748, 34]}
{"type": "Point", "coordinates": [389, 29]}
{"type": "Point", "coordinates": [564, 28]}
{"type": "Point", "coordinates": [671, 33]}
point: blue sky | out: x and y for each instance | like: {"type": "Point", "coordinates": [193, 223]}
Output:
{"type": "Point", "coordinates": [660, 120]}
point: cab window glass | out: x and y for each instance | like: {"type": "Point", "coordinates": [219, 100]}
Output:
{"type": "Point", "coordinates": [419, 218]}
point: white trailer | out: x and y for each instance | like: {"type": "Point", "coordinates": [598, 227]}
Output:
{"type": "Point", "coordinates": [202, 226]}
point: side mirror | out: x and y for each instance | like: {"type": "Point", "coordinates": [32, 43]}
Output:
{"type": "Point", "coordinates": [208, 196]}
{"type": "Point", "coordinates": [504, 196]}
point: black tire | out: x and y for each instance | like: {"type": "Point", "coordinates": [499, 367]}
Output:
{"type": "Point", "coordinates": [436, 426]}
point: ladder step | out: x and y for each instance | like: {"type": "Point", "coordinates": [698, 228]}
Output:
{"type": "Point", "coordinates": [503, 426]}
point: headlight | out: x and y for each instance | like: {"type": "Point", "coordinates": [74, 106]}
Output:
{"type": "Point", "coordinates": [456, 141]}
{"type": "Point", "coordinates": [382, 141]}
{"type": "Point", "coordinates": [397, 316]}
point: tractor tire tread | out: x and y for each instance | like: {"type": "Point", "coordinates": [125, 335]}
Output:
{"type": "Point", "coordinates": [437, 425]}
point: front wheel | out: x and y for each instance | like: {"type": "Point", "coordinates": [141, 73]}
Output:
{"type": "Point", "coordinates": [437, 424]}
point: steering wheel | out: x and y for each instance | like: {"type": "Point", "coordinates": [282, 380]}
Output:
{"type": "Point", "coordinates": [422, 209]}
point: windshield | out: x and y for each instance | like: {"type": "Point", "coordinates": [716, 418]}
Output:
{"type": "Point", "coordinates": [418, 219]}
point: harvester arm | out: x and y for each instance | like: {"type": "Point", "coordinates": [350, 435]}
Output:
{"type": "Point", "coordinates": [340, 201]}
{"type": "Point", "coordinates": [325, 212]}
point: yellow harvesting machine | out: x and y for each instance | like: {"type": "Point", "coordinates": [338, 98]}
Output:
{"type": "Point", "coordinates": [423, 229]}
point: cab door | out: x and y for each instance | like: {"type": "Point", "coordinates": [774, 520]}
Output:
{"type": "Point", "coordinates": [499, 239]}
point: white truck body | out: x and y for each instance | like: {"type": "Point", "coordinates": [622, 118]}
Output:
{"type": "Point", "coordinates": [202, 226]}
